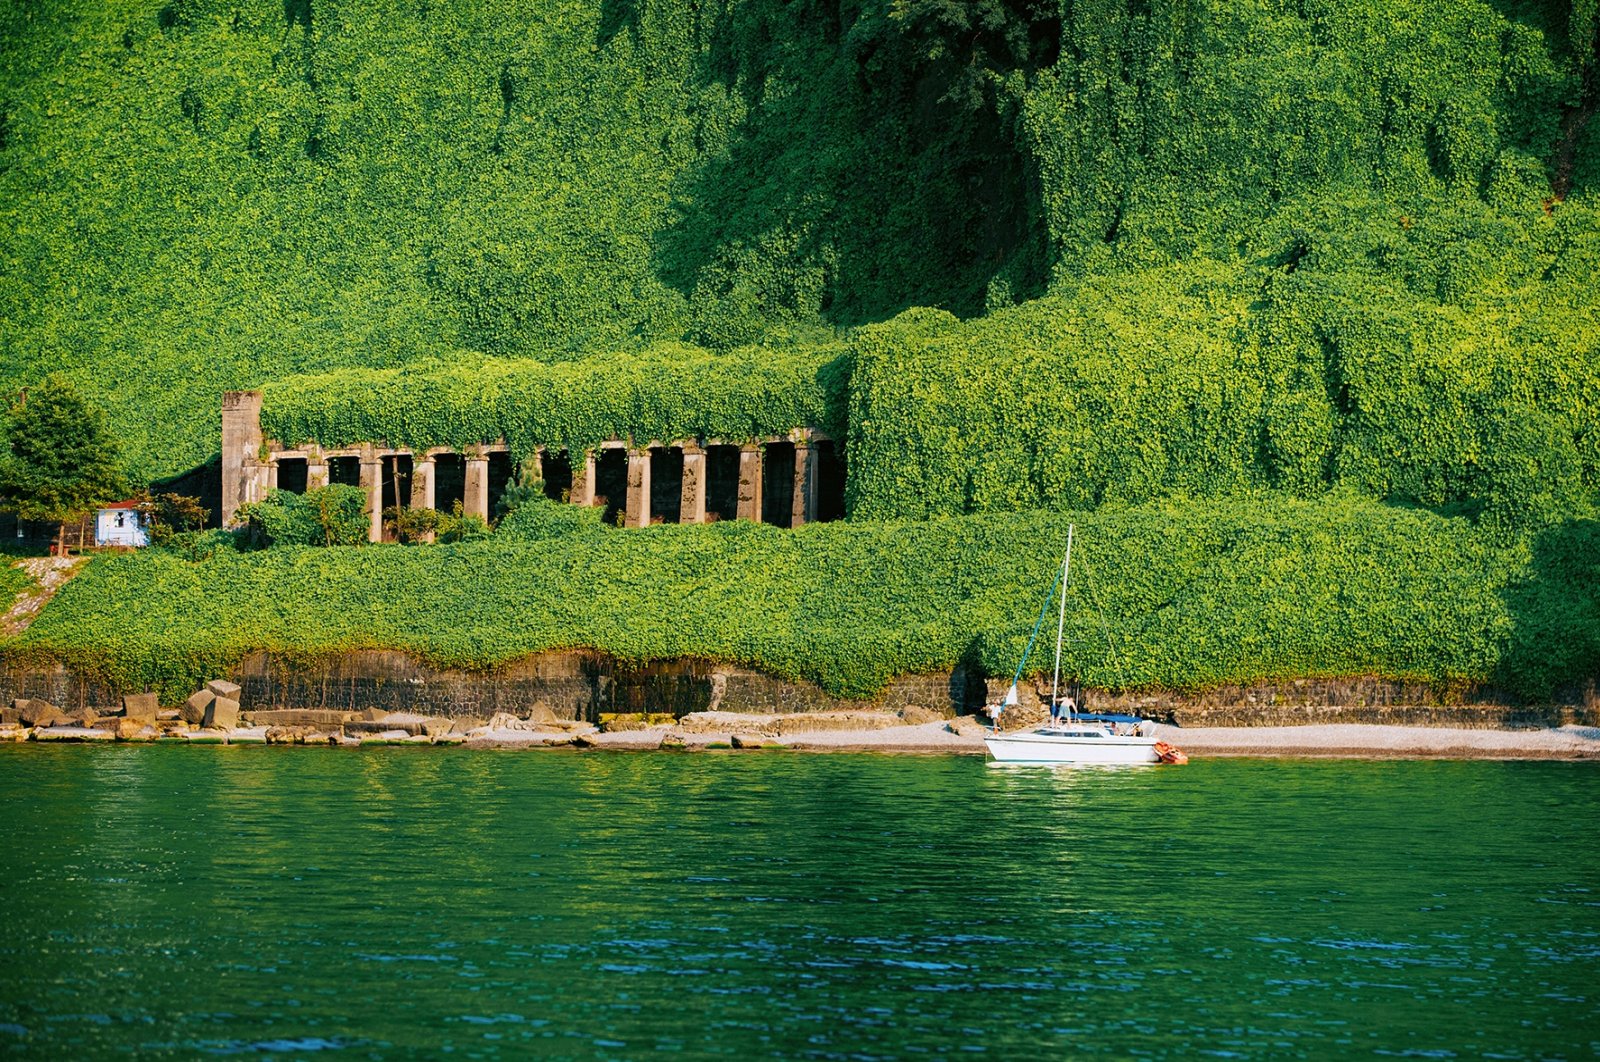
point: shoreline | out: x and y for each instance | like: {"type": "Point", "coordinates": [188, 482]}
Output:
{"type": "Point", "coordinates": [832, 733]}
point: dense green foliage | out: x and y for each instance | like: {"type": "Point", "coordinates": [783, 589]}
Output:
{"type": "Point", "coordinates": [335, 515]}
{"type": "Point", "coordinates": [1166, 254]}
{"type": "Point", "coordinates": [663, 394]}
{"type": "Point", "coordinates": [61, 456]}
{"type": "Point", "coordinates": [199, 194]}
{"type": "Point", "coordinates": [1163, 596]}
{"type": "Point", "coordinates": [13, 581]}
{"type": "Point", "coordinates": [1363, 360]}
{"type": "Point", "coordinates": [539, 518]}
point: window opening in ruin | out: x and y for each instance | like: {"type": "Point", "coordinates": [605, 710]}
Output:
{"type": "Point", "coordinates": [292, 474]}
{"type": "Point", "coordinates": [557, 471]}
{"type": "Point", "coordinates": [346, 470]}
{"type": "Point", "coordinates": [611, 481]}
{"type": "Point", "coordinates": [722, 483]}
{"type": "Point", "coordinates": [449, 482]}
{"type": "Point", "coordinates": [500, 470]}
{"type": "Point", "coordinates": [666, 485]}
{"type": "Point", "coordinates": [777, 485]}
{"type": "Point", "coordinates": [397, 481]}
{"type": "Point", "coordinates": [830, 480]}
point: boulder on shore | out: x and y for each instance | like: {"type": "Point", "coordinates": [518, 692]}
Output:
{"type": "Point", "coordinates": [140, 706]}
{"type": "Point", "coordinates": [376, 727]}
{"type": "Point", "coordinates": [72, 733]}
{"type": "Point", "coordinates": [136, 730]}
{"type": "Point", "coordinates": [223, 714]}
{"type": "Point", "coordinates": [297, 735]}
{"type": "Point", "coordinates": [224, 689]}
{"type": "Point", "coordinates": [42, 713]}
{"type": "Point", "coordinates": [299, 717]}
{"type": "Point", "coordinates": [194, 709]}
{"type": "Point", "coordinates": [967, 726]}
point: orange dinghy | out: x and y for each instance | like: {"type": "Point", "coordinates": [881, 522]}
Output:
{"type": "Point", "coordinates": [1170, 753]}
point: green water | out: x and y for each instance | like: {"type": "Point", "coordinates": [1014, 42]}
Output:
{"type": "Point", "coordinates": [411, 903]}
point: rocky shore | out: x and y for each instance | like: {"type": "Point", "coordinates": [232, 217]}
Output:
{"type": "Point", "coordinates": [214, 717]}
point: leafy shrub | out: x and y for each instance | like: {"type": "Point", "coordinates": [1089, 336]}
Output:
{"type": "Point", "coordinates": [410, 526]}
{"type": "Point", "coordinates": [539, 518]}
{"type": "Point", "coordinates": [335, 515]}
{"type": "Point", "coordinates": [457, 526]}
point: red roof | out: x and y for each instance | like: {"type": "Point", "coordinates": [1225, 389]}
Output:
{"type": "Point", "coordinates": [129, 504]}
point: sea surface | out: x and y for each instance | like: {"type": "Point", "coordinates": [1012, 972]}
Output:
{"type": "Point", "coordinates": [413, 903]}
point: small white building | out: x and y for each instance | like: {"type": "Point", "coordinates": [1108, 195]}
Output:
{"type": "Point", "coordinates": [120, 524]}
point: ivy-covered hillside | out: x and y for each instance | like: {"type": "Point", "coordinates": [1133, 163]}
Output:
{"type": "Point", "coordinates": [1163, 596]}
{"type": "Point", "coordinates": [1254, 242]}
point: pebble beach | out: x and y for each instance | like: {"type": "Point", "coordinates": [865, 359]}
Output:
{"type": "Point", "coordinates": [864, 731]}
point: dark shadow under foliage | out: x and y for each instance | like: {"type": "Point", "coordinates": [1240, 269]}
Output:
{"type": "Point", "coordinates": [878, 165]}
{"type": "Point", "coordinates": [1553, 650]}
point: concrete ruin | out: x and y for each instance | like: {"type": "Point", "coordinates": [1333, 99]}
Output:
{"type": "Point", "coordinates": [788, 480]}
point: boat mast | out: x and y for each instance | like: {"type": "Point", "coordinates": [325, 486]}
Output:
{"type": "Point", "coordinates": [1061, 620]}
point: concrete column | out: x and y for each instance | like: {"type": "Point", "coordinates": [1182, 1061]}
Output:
{"type": "Point", "coordinates": [316, 470]}
{"type": "Point", "coordinates": [533, 467]}
{"type": "Point", "coordinates": [805, 485]}
{"type": "Point", "coordinates": [241, 450]}
{"type": "Point", "coordinates": [422, 483]}
{"type": "Point", "coordinates": [582, 478]}
{"type": "Point", "coordinates": [475, 500]}
{"type": "Point", "coordinates": [272, 474]}
{"type": "Point", "coordinates": [638, 511]}
{"type": "Point", "coordinates": [422, 489]}
{"type": "Point", "coordinates": [692, 505]}
{"type": "Point", "coordinates": [750, 466]}
{"type": "Point", "coordinates": [372, 483]}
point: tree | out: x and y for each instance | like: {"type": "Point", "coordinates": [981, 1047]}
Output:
{"type": "Point", "coordinates": [62, 458]}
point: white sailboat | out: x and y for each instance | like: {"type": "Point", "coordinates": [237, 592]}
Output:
{"type": "Point", "coordinates": [1078, 738]}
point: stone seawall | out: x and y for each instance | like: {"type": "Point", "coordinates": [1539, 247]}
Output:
{"type": "Point", "coordinates": [582, 685]}
{"type": "Point", "coordinates": [574, 685]}
{"type": "Point", "coordinates": [1308, 702]}
{"type": "Point", "coordinates": [570, 685]}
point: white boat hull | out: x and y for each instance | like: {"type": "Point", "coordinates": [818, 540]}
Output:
{"type": "Point", "coordinates": [1030, 746]}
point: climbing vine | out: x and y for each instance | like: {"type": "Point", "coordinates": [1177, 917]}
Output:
{"type": "Point", "coordinates": [1165, 595]}
{"type": "Point", "coordinates": [666, 394]}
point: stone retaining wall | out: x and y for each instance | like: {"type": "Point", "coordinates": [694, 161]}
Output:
{"type": "Point", "coordinates": [581, 685]}
{"type": "Point", "coordinates": [1302, 702]}
{"type": "Point", "coordinates": [570, 685]}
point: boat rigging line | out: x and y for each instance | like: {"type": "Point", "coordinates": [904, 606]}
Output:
{"type": "Point", "coordinates": [1044, 608]}
{"type": "Point", "coordinates": [1061, 623]}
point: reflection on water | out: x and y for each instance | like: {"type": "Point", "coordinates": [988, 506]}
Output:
{"type": "Point", "coordinates": [407, 902]}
